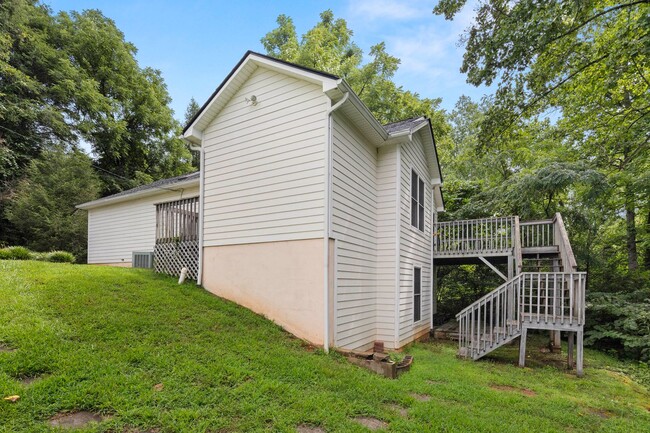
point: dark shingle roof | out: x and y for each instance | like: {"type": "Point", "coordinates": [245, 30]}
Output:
{"type": "Point", "coordinates": [404, 125]}
{"type": "Point", "coordinates": [159, 184]}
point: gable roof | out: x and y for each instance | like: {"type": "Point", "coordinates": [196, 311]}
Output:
{"type": "Point", "coordinates": [238, 66]}
{"type": "Point", "coordinates": [169, 184]}
{"type": "Point", "coordinates": [333, 87]}
{"type": "Point", "coordinates": [403, 125]}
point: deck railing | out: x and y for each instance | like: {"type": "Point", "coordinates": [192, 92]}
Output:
{"type": "Point", "coordinates": [537, 233]}
{"type": "Point", "coordinates": [549, 233]}
{"type": "Point", "coordinates": [485, 235]}
{"type": "Point", "coordinates": [562, 241]}
{"type": "Point", "coordinates": [551, 300]}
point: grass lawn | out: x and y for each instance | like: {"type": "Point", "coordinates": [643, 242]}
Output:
{"type": "Point", "coordinates": [152, 356]}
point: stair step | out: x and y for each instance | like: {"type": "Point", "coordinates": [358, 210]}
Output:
{"type": "Point", "coordinates": [554, 249]}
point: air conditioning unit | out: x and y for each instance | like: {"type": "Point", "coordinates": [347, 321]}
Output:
{"type": "Point", "coordinates": [142, 260]}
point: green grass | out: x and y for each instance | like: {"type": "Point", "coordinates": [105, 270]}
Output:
{"type": "Point", "coordinates": [100, 339]}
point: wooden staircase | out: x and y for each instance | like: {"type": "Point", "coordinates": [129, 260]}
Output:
{"type": "Point", "coordinates": [542, 291]}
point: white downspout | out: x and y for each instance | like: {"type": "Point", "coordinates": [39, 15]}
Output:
{"type": "Point", "coordinates": [328, 219]}
{"type": "Point", "coordinates": [199, 277]}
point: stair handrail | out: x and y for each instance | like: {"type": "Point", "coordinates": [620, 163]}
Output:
{"type": "Point", "coordinates": [517, 241]}
{"type": "Point", "coordinates": [473, 330]}
{"type": "Point", "coordinates": [486, 296]}
{"type": "Point", "coordinates": [563, 243]}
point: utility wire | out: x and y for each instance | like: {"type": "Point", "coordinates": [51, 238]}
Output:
{"type": "Point", "coordinates": [94, 164]}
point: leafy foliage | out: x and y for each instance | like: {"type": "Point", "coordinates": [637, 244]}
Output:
{"type": "Point", "coordinates": [43, 213]}
{"type": "Point", "coordinates": [328, 47]}
{"type": "Point", "coordinates": [620, 321]}
{"type": "Point", "coordinates": [73, 77]}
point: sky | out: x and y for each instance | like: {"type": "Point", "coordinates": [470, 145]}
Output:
{"type": "Point", "coordinates": [195, 43]}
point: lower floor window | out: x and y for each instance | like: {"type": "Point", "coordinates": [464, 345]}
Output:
{"type": "Point", "coordinates": [417, 294]}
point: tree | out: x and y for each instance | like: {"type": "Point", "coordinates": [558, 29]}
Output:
{"type": "Point", "coordinates": [328, 47]}
{"type": "Point", "coordinates": [589, 62]}
{"type": "Point", "coordinates": [192, 109]}
{"type": "Point", "coordinates": [73, 77]}
{"type": "Point", "coordinates": [43, 213]}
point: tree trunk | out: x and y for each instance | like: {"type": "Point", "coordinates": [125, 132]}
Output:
{"type": "Point", "coordinates": [630, 225]}
{"type": "Point", "coordinates": [646, 261]}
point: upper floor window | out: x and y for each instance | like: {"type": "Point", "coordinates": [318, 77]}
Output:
{"type": "Point", "coordinates": [417, 201]}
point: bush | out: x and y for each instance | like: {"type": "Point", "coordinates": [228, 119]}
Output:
{"type": "Point", "coordinates": [15, 253]}
{"type": "Point", "coordinates": [620, 322]}
{"type": "Point", "coordinates": [60, 257]}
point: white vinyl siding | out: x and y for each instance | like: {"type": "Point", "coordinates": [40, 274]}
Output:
{"type": "Point", "coordinates": [415, 245]}
{"type": "Point", "coordinates": [354, 209]}
{"type": "Point", "coordinates": [264, 164]}
{"type": "Point", "coordinates": [116, 231]}
{"type": "Point", "coordinates": [387, 253]}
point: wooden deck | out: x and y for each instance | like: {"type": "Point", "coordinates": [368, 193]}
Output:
{"type": "Point", "coordinates": [550, 297]}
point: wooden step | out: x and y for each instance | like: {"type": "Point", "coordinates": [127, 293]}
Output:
{"type": "Point", "coordinates": [554, 249]}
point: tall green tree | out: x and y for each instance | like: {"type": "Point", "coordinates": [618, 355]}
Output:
{"type": "Point", "coordinates": [42, 211]}
{"type": "Point", "coordinates": [71, 77]}
{"type": "Point", "coordinates": [588, 62]}
{"type": "Point", "coordinates": [329, 47]}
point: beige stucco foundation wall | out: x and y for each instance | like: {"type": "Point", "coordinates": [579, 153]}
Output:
{"type": "Point", "coordinates": [281, 280]}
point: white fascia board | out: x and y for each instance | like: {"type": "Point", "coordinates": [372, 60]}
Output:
{"type": "Point", "coordinates": [327, 83]}
{"type": "Point", "coordinates": [364, 111]}
{"type": "Point", "coordinates": [137, 195]}
{"type": "Point", "coordinates": [194, 133]}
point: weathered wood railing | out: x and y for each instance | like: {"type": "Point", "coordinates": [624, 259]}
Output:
{"type": "Point", "coordinates": [562, 241]}
{"type": "Point", "coordinates": [479, 236]}
{"type": "Point", "coordinates": [552, 299]}
{"type": "Point", "coordinates": [549, 233]}
{"type": "Point", "coordinates": [547, 300]}
{"type": "Point", "coordinates": [537, 233]}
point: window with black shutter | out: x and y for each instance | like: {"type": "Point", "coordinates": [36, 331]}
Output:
{"type": "Point", "coordinates": [417, 201]}
{"type": "Point", "coordinates": [417, 294]}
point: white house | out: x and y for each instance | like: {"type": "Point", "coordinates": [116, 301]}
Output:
{"type": "Point", "coordinates": [306, 209]}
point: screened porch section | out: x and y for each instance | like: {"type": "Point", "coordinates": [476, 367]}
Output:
{"type": "Point", "coordinates": [177, 237]}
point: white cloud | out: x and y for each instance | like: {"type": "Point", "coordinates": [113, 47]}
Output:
{"type": "Point", "coordinates": [423, 48]}
{"type": "Point", "coordinates": [401, 10]}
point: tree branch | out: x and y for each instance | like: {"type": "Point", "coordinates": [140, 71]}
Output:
{"type": "Point", "coordinates": [551, 90]}
{"type": "Point", "coordinates": [594, 17]}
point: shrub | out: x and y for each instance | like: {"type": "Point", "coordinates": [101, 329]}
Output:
{"type": "Point", "coordinates": [620, 322]}
{"type": "Point", "coordinates": [15, 253]}
{"type": "Point", "coordinates": [60, 257]}
{"type": "Point", "coordinates": [42, 257]}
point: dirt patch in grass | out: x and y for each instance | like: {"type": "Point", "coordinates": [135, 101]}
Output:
{"type": "Point", "coordinates": [522, 391]}
{"type": "Point", "coordinates": [421, 397]}
{"type": "Point", "coordinates": [601, 413]}
{"type": "Point", "coordinates": [6, 349]}
{"type": "Point", "coordinates": [399, 409]}
{"type": "Point", "coordinates": [75, 419]}
{"type": "Point", "coordinates": [304, 428]}
{"type": "Point", "coordinates": [28, 380]}
{"type": "Point", "coordinates": [371, 423]}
